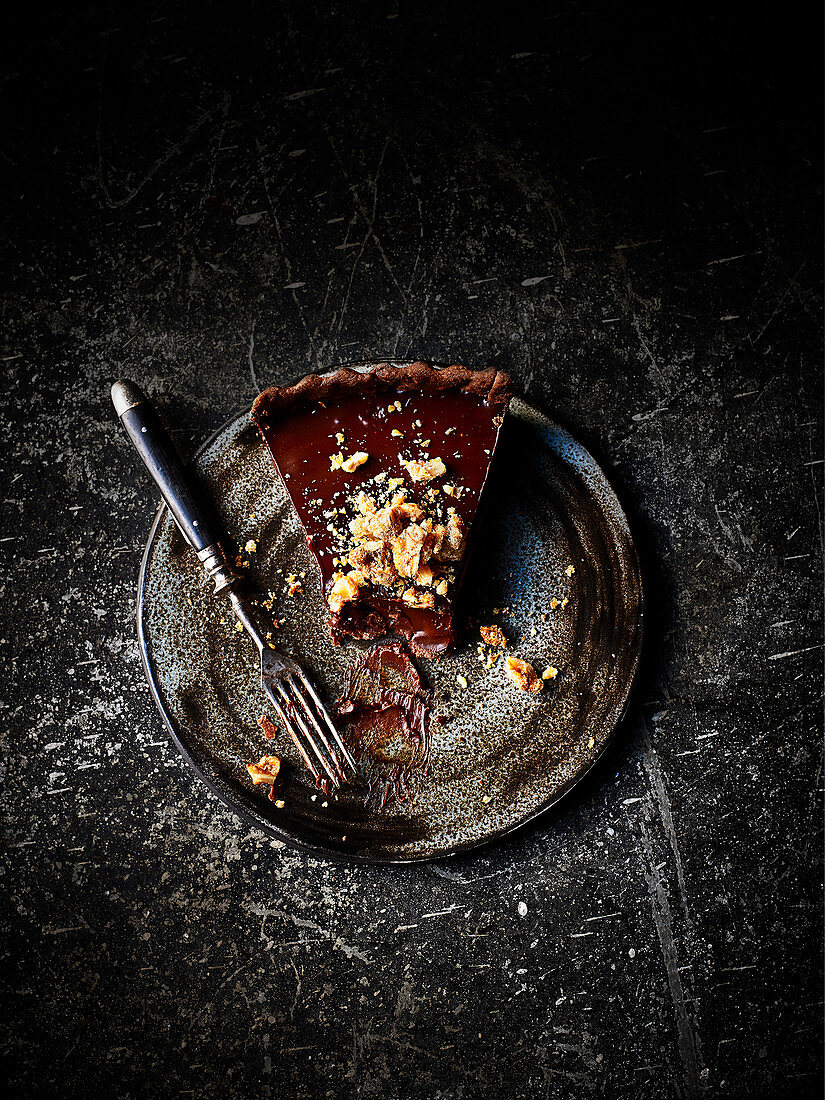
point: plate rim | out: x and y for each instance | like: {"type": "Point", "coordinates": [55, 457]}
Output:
{"type": "Point", "coordinates": [341, 855]}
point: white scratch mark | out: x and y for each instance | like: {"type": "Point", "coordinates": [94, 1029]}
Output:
{"type": "Point", "coordinates": [793, 652]}
{"type": "Point", "coordinates": [687, 1039]}
{"type": "Point", "coordinates": [250, 358]}
{"type": "Point", "coordinates": [336, 941]}
{"type": "Point", "coordinates": [293, 96]}
{"type": "Point", "coordinates": [657, 784]}
{"type": "Point", "coordinates": [440, 912]}
{"type": "Point", "coordinates": [730, 259]}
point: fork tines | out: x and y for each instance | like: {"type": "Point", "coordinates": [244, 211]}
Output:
{"type": "Point", "coordinates": [293, 702]}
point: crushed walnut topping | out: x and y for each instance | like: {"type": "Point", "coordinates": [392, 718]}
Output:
{"type": "Point", "coordinates": [397, 544]}
{"type": "Point", "coordinates": [348, 464]}
{"type": "Point", "coordinates": [344, 589]}
{"type": "Point", "coordinates": [413, 598]}
{"type": "Point", "coordinates": [425, 471]}
{"type": "Point", "coordinates": [293, 585]}
{"type": "Point", "coordinates": [550, 673]}
{"type": "Point", "coordinates": [570, 570]}
{"type": "Point", "coordinates": [493, 635]}
{"type": "Point", "coordinates": [522, 674]}
{"type": "Point", "coordinates": [354, 461]}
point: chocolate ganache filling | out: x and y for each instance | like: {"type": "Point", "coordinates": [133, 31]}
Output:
{"type": "Point", "coordinates": [385, 469]}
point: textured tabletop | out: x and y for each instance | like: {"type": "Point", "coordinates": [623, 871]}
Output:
{"type": "Point", "coordinates": [623, 211]}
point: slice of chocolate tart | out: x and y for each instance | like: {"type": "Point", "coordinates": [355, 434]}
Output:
{"type": "Point", "coordinates": [385, 468]}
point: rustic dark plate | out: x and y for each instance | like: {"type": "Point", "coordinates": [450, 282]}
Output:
{"type": "Point", "coordinates": [503, 756]}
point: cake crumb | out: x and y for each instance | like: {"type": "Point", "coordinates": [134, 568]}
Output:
{"type": "Point", "coordinates": [550, 673]}
{"type": "Point", "coordinates": [493, 635]}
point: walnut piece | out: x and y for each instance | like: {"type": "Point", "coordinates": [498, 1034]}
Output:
{"type": "Point", "coordinates": [266, 770]}
{"type": "Point", "coordinates": [268, 726]}
{"type": "Point", "coordinates": [352, 463]}
{"type": "Point", "coordinates": [418, 599]}
{"type": "Point", "coordinates": [493, 635]}
{"type": "Point", "coordinates": [343, 590]}
{"type": "Point", "coordinates": [522, 674]}
{"type": "Point", "coordinates": [348, 464]}
{"type": "Point", "coordinates": [425, 471]}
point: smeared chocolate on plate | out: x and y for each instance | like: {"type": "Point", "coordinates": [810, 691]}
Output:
{"type": "Point", "coordinates": [387, 713]}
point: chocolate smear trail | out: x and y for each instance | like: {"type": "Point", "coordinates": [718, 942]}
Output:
{"type": "Point", "coordinates": [387, 714]}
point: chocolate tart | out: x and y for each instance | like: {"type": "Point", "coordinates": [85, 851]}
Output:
{"type": "Point", "coordinates": [385, 468]}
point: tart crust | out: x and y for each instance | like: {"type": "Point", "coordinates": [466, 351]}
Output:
{"type": "Point", "coordinates": [490, 384]}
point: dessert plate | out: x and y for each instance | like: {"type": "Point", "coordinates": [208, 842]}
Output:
{"type": "Point", "coordinates": [500, 756]}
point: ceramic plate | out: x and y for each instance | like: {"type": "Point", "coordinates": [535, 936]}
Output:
{"type": "Point", "coordinates": [502, 756]}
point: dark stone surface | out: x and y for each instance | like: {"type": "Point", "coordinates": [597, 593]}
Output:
{"type": "Point", "coordinates": [622, 209]}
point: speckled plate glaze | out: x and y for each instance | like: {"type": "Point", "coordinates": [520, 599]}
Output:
{"type": "Point", "coordinates": [502, 757]}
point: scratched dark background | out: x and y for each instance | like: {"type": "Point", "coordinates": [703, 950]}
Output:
{"type": "Point", "coordinates": [622, 206]}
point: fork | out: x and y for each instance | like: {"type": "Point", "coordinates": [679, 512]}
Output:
{"type": "Point", "coordinates": [283, 681]}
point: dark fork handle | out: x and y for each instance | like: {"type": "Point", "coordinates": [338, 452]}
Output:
{"type": "Point", "coordinates": [160, 458]}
